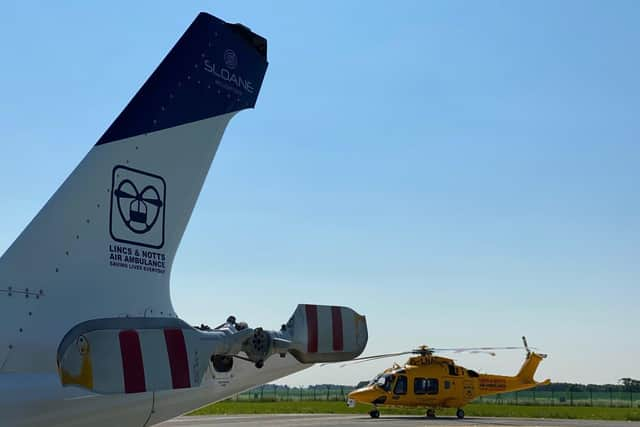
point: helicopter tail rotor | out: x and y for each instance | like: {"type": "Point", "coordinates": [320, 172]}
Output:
{"type": "Point", "coordinates": [526, 346]}
{"type": "Point", "coordinates": [528, 349]}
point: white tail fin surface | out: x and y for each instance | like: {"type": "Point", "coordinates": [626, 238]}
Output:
{"type": "Point", "coordinates": [103, 245]}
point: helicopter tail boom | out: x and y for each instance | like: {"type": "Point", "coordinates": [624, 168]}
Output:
{"type": "Point", "coordinates": [492, 384]}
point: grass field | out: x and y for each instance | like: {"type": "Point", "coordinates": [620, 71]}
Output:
{"type": "Point", "coordinates": [230, 407]}
{"type": "Point", "coordinates": [611, 398]}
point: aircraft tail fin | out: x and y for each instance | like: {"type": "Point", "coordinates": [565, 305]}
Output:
{"type": "Point", "coordinates": [105, 241]}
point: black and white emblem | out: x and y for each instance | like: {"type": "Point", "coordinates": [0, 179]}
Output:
{"type": "Point", "coordinates": [137, 207]}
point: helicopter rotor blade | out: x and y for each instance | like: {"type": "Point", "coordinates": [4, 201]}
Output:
{"type": "Point", "coordinates": [473, 349]}
{"type": "Point", "coordinates": [379, 356]}
{"type": "Point", "coordinates": [424, 350]}
{"type": "Point", "coordinates": [490, 353]}
{"type": "Point", "coordinates": [373, 358]}
{"type": "Point", "coordinates": [358, 362]}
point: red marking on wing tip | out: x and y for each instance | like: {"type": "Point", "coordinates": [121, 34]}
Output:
{"type": "Point", "coordinates": [336, 323]}
{"type": "Point", "coordinates": [178, 360]}
{"type": "Point", "coordinates": [312, 328]}
{"type": "Point", "coordinates": [132, 365]}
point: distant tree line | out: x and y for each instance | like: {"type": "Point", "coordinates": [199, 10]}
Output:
{"type": "Point", "coordinates": [624, 384]}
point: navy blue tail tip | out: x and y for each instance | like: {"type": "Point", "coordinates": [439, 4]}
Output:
{"type": "Point", "coordinates": [214, 69]}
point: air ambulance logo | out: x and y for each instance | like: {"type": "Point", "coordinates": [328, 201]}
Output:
{"type": "Point", "coordinates": [137, 207]}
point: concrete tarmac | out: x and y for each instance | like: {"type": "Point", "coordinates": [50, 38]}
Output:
{"type": "Point", "coordinates": [318, 420]}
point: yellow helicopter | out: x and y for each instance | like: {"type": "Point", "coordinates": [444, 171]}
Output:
{"type": "Point", "coordinates": [432, 382]}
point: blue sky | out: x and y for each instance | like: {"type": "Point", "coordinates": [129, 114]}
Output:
{"type": "Point", "coordinates": [461, 172]}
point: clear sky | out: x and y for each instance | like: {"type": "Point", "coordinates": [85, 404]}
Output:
{"type": "Point", "coordinates": [461, 172]}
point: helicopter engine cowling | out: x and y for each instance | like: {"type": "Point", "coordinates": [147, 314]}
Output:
{"type": "Point", "coordinates": [313, 334]}
{"type": "Point", "coordinates": [323, 333]}
{"type": "Point", "coordinates": [140, 354]}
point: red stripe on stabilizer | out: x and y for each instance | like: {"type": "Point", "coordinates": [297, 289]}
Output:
{"type": "Point", "coordinates": [178, 360]}
{"type": "Point", "coordinates": [312, 328]}
{"type": "Point", "coordinates": [336, 322]}
{"type": "Point", "coordinates": [132, 365]}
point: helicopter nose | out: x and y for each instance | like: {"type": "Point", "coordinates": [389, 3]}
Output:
{"type": "Point", "coordinates": [364, 395]}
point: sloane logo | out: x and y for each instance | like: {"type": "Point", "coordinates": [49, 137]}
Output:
{"type": "Point", "coordinates": [230, 59]}
{"type": "Point", "coordinates": [231, 62]}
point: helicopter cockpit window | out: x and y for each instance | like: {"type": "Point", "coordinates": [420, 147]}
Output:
{"type": "Point", "coordinates": [388, 382]}
{"type": "Point", "coordinates": [383, 381]}
{"type": "Point", "coordinates": [425, 386]}
{"type": "Point", "coordinates": [401, 385]}
{"type": "Point", "coordinates": [376, 380]}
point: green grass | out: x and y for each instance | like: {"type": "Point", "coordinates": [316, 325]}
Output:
{"type": "Point", "coordinates": [230, 407]}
